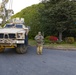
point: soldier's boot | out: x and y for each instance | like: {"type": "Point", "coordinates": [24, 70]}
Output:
{"type": "Point", "coordinates": [38, 50]}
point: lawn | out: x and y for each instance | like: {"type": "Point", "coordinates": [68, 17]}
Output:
{"type": "Point", "coordinates": [64, 46]}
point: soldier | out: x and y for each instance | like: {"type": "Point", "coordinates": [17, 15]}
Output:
{"type": "Point", "coordinates": [39, 39]}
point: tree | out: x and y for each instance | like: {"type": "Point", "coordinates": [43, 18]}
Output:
{"type": "Point", "coordinates": [31, 16]}
{"type": "Point", "coordinates": [59, 15]}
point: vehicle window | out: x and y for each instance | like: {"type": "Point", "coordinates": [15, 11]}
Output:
{"type": "Point", "coordinates": [18, 26]}
{"type": "Point", "coordinates": [9, 26]}
{"type": "Point", "coordinates": [13, 26]}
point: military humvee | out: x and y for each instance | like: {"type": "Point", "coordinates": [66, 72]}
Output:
{"type": "Point", "coordinates": [14, 35]}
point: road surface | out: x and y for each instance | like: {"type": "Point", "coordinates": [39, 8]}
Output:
{"type": "Point", "coordinates": [51, 62]}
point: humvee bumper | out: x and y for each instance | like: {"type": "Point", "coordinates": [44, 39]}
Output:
{"type": "Point", "coordinates": [9, 43]}
{"type": "Point", "coordinates": [8, 46]}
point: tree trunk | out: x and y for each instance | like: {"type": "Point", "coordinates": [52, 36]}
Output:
{"type": "Point", "coordinates": [60, 36]}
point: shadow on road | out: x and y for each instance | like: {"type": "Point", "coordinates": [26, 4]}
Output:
{"type": "Point", "coordinates": [13, 50]}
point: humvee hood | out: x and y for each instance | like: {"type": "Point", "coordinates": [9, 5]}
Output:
{"type": "Point", "coordinates": [11, 30]}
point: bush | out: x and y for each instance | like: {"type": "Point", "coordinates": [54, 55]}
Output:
{"type": "Point", "coordinates": [47, 38]}
{"type": "Point", "coordinates": [47, 41]}
{"type": "Point", "coordinates": [69, 40]}
{"type": "Point", "coordinates": [74, 39]}
{"type": "Point", "coordinates": [53, 39]}
{"type": "Point", "coordinates": [62, 42]}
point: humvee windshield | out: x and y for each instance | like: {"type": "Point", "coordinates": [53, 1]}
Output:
{"type": "Point", "coordinates": [13, 26]}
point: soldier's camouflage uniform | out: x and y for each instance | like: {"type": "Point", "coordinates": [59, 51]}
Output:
{"type": "Point", "coordinates": [39, 40]}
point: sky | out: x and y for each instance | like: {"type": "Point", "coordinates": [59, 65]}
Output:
{"type": "Point", "coordinates": [18, 5]}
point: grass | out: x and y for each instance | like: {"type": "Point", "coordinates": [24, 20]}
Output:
{"type": "Point", "coordinates": [32, 42]}
{"type": "Point", "coordinates": [60, 46]}
{"type": "Point", "coordinates": [56, 46]}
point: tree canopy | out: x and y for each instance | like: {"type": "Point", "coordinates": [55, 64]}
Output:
{"type": "Point", "coordinates": [53, 17]}
{"type": "Point", "coordinates": [58, 16]}
{"type": "Point", "coordinates": [31, 16]}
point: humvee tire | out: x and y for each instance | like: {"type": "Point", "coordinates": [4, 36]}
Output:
{"type": "Point", "coordinates": [21, 49]}
{"type": "Point", "coordinates": [2, 50]}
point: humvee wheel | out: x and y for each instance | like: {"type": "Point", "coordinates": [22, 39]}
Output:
{"type": "Point", "coordinates": [21, 49]}
{"type": "Point", "coordinates": [2, 50]}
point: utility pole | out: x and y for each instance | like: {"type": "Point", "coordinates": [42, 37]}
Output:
{"type": "Point", "coordinates": [4, 13]}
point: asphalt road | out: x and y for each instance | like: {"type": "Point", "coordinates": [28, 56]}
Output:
{"type": "Point", "coordinates": [52, 62]}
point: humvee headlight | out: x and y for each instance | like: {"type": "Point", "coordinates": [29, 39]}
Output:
{"type": "Point", "coordinates": [20, 35]}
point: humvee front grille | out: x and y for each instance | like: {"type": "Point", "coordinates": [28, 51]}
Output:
{"type": "Point", "coordinates": [11, 36]}
{"type": "Point", "coordinates": [1, 35]}
{"type": "Point", "coordinates": [6, 36]}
